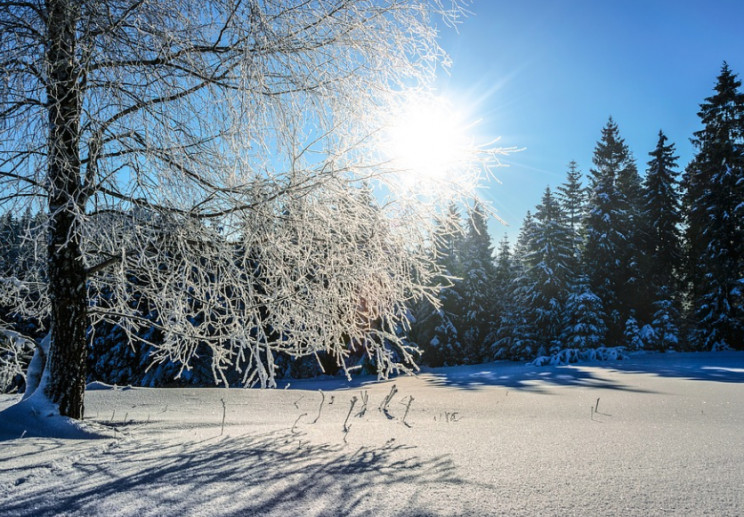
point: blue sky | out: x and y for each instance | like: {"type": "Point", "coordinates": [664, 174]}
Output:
{"type": "Point", "coordinates": [546, 75]}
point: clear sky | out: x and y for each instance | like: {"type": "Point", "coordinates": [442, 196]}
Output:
{"type": "Point", "coordinates": [546, 75]}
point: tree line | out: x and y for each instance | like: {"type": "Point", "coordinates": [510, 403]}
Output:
{"type": "Point", "coordinates": [652, 262]}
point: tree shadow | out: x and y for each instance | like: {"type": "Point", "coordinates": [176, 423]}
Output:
{"type": "Point", "coordinates": [727, 367]}
{"type": "Point", "coordinates": [700, 366]}
{"type": "Point", "coordinates": [518, 376]}
{"type": "Point", "coordinates": [276, 473]}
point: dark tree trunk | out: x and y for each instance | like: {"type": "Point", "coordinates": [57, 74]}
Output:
{"type": "Point", "coordinates": [67, 275]}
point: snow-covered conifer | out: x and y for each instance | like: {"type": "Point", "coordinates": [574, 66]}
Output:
{"type": "Point", "coordinates": [713, 203]}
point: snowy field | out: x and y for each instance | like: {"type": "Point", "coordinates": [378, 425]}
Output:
{"type": "Point", "coordinates": [652, 435]}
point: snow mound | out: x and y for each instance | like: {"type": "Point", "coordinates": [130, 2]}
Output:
{"type": "Point", "coordinates": [102, 386]}
{"type": "Point", "coordinates": [30, 418]}
{"type": "Point", "coordinates": [575, 355]}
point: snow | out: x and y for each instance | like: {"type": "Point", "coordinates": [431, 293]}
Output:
{"type": "Point", "coordinates": [655, 434]}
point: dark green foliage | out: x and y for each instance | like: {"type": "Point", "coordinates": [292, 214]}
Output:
{"type": "Point", "coordinates": [573, 199]}
{"type": "Point", "coordinates": [609, 250]}
{"type": "Point", "coordinates": [662, 248]}
{"type": "Point", "coordinates": [548, 263]}
{"type": "Point", "coordinates": [434, 329]}
{"type": "Point", "coordinates": [584, 326]}
{"type": "Point", "coordinates": [460, 331]}
{"type": "Point", "coordinates": [476, 287]}
{"type": "Point", "coordinates": [714, 205]}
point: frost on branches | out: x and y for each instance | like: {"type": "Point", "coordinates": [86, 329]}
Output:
{"type": "Point", "coordinates": [201, 167]}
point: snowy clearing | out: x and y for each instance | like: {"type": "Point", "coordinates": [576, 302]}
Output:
{"type": "Point", "coordinates": [658, 434]}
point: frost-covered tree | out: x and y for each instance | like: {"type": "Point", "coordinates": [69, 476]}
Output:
{"type": "Point", "coordinates": [714, 212]}
{"type": "Point", "coordinates": [158, 135]}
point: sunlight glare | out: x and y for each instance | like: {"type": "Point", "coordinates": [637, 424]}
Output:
{"type": "Point", "coordinates": [428, 144]}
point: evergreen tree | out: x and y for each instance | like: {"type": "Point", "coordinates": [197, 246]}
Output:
{"type": "Point", "coordinates": [606, 258]}
{"type": "Point", "coordinates": [548, 263]}
{"type": "Point", "coordinates": [713, 201]}
{"type": "Point", "coordinates": [573, 198]}
{"type": "Point", "coordinates": [663, 249]}
{"type": "Point", "coordinates": [516, 335]}
{"type": "Point", "coordinates": [662, 210]}
{"type": "Point", "coordinates": [633, 289]}
{"type": "Point", "coordinates": [584, 324]}
{"type": "Point", "coordinates": [502, 284]}
{"type": "Point", "coordinates": [476, 286]}
{"type": "Point", "coordinates": [666, 322]}
{"type": "Point", "coordinates": [435, 329]}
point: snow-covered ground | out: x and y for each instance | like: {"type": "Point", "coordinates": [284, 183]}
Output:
{"type": "Point", "coordinates": [658, 434]}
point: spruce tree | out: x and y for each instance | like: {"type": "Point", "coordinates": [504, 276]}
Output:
{"type": "Point", "coordinates": [584, 318]}
{"type": "Point", "coordinates": [516, 335]}
{"type": "Point", "coordinates": [502, 293]}
{"type": "Point", "coordinates": [605, 251]}
{"type": "Point", "coordinates": [633, 289]}
{"type": "Point", "coordinates": [573, 198]}
{"type": "Point", "coordinates": [549, 273]}
{"type": "Point", "coordinates": [435, 329]}
{"type": "Point", "coordinates": [475, 287]}
{"type": "Point", "coordinates": [663, 248]}
{"type": "Point", "coordinates": [714, 210]}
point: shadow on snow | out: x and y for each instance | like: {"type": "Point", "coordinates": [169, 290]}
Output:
{"type": "Point", "coordinates": [278, 473]}
{"type": "Point", "coordinates": [699, 366]}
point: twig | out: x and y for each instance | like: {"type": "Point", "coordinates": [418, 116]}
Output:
{"type": "Point", "coordinates": [408, 407]}
{"type": "Point", "coordinates": [365, 399]}
{"type": "Point", "coordinates": [320, 408]}
{"type": "Point", "coordinates": [347, 427]}
{"type": "Point", "coordinates": [295, 423]}
{"type": "Point", "coordinates": [596, 406]}
{"type": "Point", "coordinates": [224, 412]}
{"type": "Point", "coordinates": [386, 401]}
{"type": "Point", "coordinates": [297, 401]}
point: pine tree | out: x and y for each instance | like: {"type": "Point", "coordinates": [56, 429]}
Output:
{"type": "Point", "coordinates": [663, 248]}
{"type": "Point", "coordinates": [435, 330]}
{"type": "Point", "coordinates": [573, 198]}
{"type": "Point", "coordinates": [476, 286]}
{"type": "Point", "coordinates": [714, 209]}
{"type": "Point", "coordinates": [548, 263]}
{"type": "Point", "coordinates": [662, 209]}
{"type": "Point", "coordinates": [516, 334]}
{"type": "Point", "coordinates": [584, 324]}
{"type": "Point", "coordinates": [666, 332]}
{"type": "Point", "coordinates": [633, 289]}
{"type": "Point", "coordinates": [606, 259]}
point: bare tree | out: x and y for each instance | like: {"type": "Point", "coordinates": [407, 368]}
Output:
{"type": "Point", "coordinates": [210, 154]}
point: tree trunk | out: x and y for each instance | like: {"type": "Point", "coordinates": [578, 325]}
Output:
{"type": "Point", "coordinates": [67, 276]}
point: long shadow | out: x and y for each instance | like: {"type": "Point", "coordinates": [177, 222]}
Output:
{"type": "Point", "coordinates": [518, 376]}
{"type": "Point", "coordinates": [277, 473]}
{"type": "Point", "coordinates": [700, 366]}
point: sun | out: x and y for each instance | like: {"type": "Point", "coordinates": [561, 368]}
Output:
{"type": "Point", "coordinates": [428, 143]}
